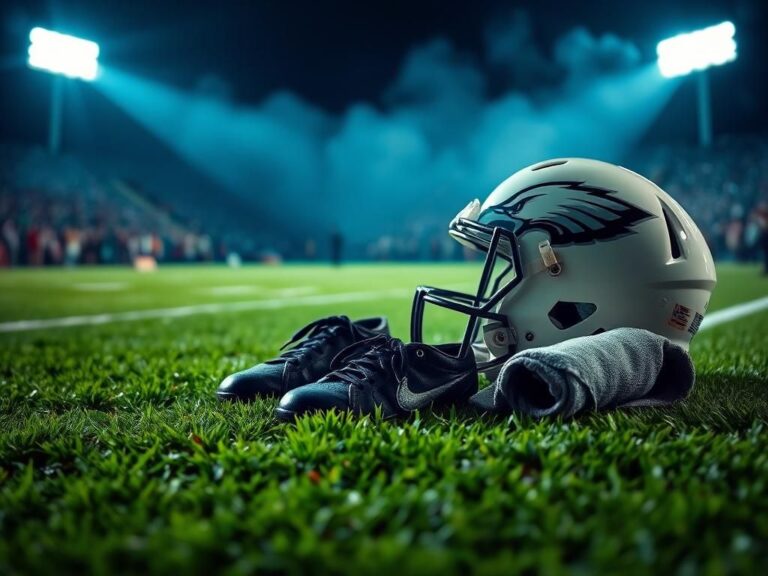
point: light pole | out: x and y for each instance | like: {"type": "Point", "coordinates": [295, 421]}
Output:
{"type": "Point", "coordinates": [696, 52]}
{"type": "Point", "coordinates": [61, 55]}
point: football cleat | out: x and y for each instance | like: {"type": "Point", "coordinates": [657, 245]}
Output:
{"type": "Point", "coordinates": [385, 373]}
{"type": "Point", "coordinates": [307, 358]}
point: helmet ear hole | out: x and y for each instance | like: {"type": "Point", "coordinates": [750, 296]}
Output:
{"type": "Point", "coordinates": [675, 232]}
{"type": "Point", "coordinates": [565, 315]}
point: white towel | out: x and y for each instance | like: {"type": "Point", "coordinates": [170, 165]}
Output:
{"type": "Point", "coordinates": [621, 367]}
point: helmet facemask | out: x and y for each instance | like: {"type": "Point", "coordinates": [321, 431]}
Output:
{"type": "Point", "coordinates": [502, 272]}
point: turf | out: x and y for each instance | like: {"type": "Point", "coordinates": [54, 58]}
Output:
{"type": "Point", "coordinates": [115, 457]}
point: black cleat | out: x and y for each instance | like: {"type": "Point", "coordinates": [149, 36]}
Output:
{"type": "Point", "coordinates": [314, 347]}
{"type": "Point", "coordinates": [384, 372]}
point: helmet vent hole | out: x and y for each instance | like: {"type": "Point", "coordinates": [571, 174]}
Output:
{"type": "Point", "coordinates": [672, 230]}
{"type": "Point", "coordinates": [565, 315]}
{"type": "Point", "coordinates": [548, 165]}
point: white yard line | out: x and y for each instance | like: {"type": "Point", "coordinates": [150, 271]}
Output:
{"type": "Point", "coordinates": [232, 290]}
{"type": "Point", "coordinates": [733, 312]}
{"type": "Point", "coordinates": [710, 321]}
{"type": "Point", "coordinates": [215, 308]}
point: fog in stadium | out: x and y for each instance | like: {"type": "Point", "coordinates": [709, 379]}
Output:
{"type": "Point", "coordinates": [388, 169]}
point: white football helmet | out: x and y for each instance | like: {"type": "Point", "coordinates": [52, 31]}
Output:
{"type": "Point", "coordinates": [576, 247]}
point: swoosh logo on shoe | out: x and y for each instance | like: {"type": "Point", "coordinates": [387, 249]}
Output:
{"type": "Point", "coordinates": [410, 400]}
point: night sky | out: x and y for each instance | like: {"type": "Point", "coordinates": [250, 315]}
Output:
{"type": "Point", "coordinates": [336, 53]}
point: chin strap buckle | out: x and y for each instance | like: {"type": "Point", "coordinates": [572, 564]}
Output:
{"type": "Point", "coordinates": [549, 258]}
{"type": "Point", "coordinates": [499, 339]}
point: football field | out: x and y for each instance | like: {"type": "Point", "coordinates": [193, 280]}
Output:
{"type": "Point", "coordinates": [115, 455]}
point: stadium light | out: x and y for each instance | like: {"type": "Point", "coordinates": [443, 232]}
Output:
{"type": "Point", "coordinates": [61, 55]}
{"type": "Point", "coordinates": [696, 52]}
{"type": "Point", "coordinates": [684, 53]}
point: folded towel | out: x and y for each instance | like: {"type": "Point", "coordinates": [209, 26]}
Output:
{"type": "Point", "coordinates": [621, 367]}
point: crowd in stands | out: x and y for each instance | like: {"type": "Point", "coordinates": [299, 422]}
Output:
{"type": "Point", "coordinates": [54, 212]}
{"type": "Point", "coordinates": [724, 188]}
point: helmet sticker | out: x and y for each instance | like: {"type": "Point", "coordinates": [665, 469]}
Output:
{"type": "Point", "coordinates": [680, 317]}
{"type": "Point", "coordinates": [580, 214]}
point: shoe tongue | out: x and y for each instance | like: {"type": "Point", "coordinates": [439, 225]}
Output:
{"type": "Point", "coordinates": [320, 328]}
{"type": "Point", "coordinates": [330, 322]}
{"type": "Point", "coordinates": [382, 343]}
{"type": "Point", "coordinates": [360, 332]}
{"type": "Point", "coordinates": [337, 321]}
{"type": "Point", "coordinates": [346, 328]}
{"type": "Point", "coordinates": [361, 347]}
{"type": "Point", "coordinates": [381, 340]}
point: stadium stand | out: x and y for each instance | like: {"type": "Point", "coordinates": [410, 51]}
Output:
{"type": "Point", "coordinates": [54, 211]}
{"type": "Point", "coordinates": [724, 188]}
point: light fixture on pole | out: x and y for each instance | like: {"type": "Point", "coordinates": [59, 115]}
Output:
{"type": "Point", "coordinates": [63, 56]}
{"type": "Point", "coordinates": [696, 52]}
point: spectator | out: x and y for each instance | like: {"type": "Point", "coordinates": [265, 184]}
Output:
{"type": "Point", "coordinates": [10, 239]}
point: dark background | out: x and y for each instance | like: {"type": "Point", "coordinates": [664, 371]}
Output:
{"type": "Point", "coordinates": [336, 53]}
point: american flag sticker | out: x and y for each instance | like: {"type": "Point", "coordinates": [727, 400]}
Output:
{"type": "Point", "coordinates": [681, 315]}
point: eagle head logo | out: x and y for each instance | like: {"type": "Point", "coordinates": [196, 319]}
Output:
{"type": "Point", "coordinates": [570, 212]}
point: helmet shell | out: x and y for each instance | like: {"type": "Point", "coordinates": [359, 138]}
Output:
{"type": "Point", "coordinates": [628, 254]}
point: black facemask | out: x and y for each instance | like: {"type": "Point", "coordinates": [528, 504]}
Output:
{"type": "Point", "coordinates": [502, 271]}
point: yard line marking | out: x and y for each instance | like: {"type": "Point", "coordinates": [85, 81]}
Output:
{"type": "Point", "coordinates": [710, 321]}
{"type": "Point", "coordinates": [214, 308]}
{"type": "Point", "coordinates": [733, 312]}
{"type": "Point", "coordinates": [297, 291]}
{"type": "Point", "coordinates": [232, 290]}
{"type": "Point", "coordinates": [242, 289]}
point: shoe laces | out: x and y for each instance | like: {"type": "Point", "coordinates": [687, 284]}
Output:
{"type": "Point", "coordinates": [312, 337]}
{"type": "Point", "coordinates": [359, 363]}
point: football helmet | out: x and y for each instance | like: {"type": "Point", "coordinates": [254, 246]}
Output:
{"type": "Point", "coordinates": [575, 247]}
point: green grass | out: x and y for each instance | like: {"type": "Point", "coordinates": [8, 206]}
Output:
{"type": "Point", "coordinates": [115, 456]}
